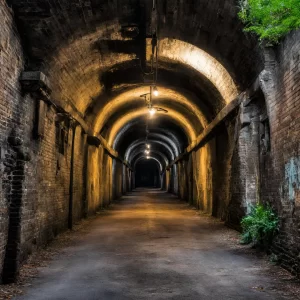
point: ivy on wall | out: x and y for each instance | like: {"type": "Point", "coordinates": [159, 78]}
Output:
{"type": "Point", "coordinates": [270, 19]}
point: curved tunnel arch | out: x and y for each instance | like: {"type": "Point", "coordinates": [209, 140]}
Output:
{"type": "Point", "coordinates": [116, 113]}
{"type": "Point", "coordinates": [133, 96]}
{"type": "Point", "coordinates": [140, 142]}
{"type": "Point", "coordinates": [168, 137]}
{"type": "Point", "coordinates": [140, 152]}
{"type": "Point", "coordinates": [151, 157]}
{"type": "Point", "coordinates": [191, 56]}
{"type": "Point", "coordinates": [179, 118]}
{"type": "Point", "coordinates": [170, 51]}
{"type": "Point", "coordinates": [201, 61]}
{"type": "Point", "coordinates": [185, 54]}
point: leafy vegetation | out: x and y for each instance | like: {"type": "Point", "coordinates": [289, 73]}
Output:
{"type": "Point", "coordinates": [270, 19]}
{"type": "Point", "coordinates": [260, 226]}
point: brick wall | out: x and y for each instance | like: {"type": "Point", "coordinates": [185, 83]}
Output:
{"type": "Point", "coordinates": [281, 177]}
{"type": "Point", "coordinates": [245, 141]}
{"type": "Point", "coordinates": [11, 108]}
{"type": "Point", "coordinates": [245, 166]}
{"type": "Point", "coordinates": [35, 176]}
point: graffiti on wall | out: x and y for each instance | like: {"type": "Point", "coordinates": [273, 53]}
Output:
{"type": "Point", "coordinates": [292, 179]}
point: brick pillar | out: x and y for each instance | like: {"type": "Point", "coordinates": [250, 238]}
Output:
{"type": "Point", "coordinates": [15, 175]}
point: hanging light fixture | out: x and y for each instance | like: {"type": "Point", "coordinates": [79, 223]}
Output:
{"type": "Point", "coordinates": [153, 72]}
{"type": "Point", "coordinates": [152, 111]}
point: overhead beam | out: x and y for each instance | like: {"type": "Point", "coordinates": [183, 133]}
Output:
{"type": "Point", "coordinates": [210, 128]}
{"type": "Point", "coordinates": [217, 120]}
{"type": "Point", "coordinates": [112, 151]}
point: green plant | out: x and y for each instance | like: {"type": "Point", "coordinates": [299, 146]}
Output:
{"type": "Point", "coordinates": [259, 226]}
{"type": "Point", "coordinates": [270, 19]}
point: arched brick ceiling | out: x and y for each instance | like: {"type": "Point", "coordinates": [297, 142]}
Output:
{"type": "Point", "coordinates": [188, 54]}
{"type": "Point", "coordinates": [76, 81]}
{"type": "Point", "coordinates": [95, 65]}
{"type": "Point", "coordinates": [209, 25]}
{"type": "Point", "coordinates": [76, 40]}
{"type": "Point", "coordinates": [132, 97]}
{"type": "Point", "coordinates": [213, 26]}
{"type": "Point", "coordinates": [175, 78]}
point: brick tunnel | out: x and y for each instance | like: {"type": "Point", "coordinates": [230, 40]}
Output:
{"type": "Point", "coordinates": [150, 101]}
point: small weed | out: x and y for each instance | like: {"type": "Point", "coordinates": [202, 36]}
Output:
{"type": "Point", "coordinates": [260, 226]}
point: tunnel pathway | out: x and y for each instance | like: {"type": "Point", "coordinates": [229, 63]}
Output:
{"type": "Point", "coordinates": [151, 246]}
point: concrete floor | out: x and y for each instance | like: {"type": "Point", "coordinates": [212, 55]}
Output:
{"type": "Point", "coordinates": [151, 246]}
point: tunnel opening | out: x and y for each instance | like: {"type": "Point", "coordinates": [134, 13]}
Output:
{"type": "Point", "coordinates": [147, 174]}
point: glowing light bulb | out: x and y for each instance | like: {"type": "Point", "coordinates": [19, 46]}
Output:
{"type": "Point", "coordinates": [155, 91]}
{"type": "Point", "coordinates": [152, 111]}
{"type": "Point", "coordinates": [148, 146]}
{"type": "Point", "coordinates": [147, 151]}
{"type": "Point", "coordinates": [148, 157]}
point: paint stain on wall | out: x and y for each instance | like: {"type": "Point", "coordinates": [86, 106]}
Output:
{"type": "Point", "coordinates": [292, 178]}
